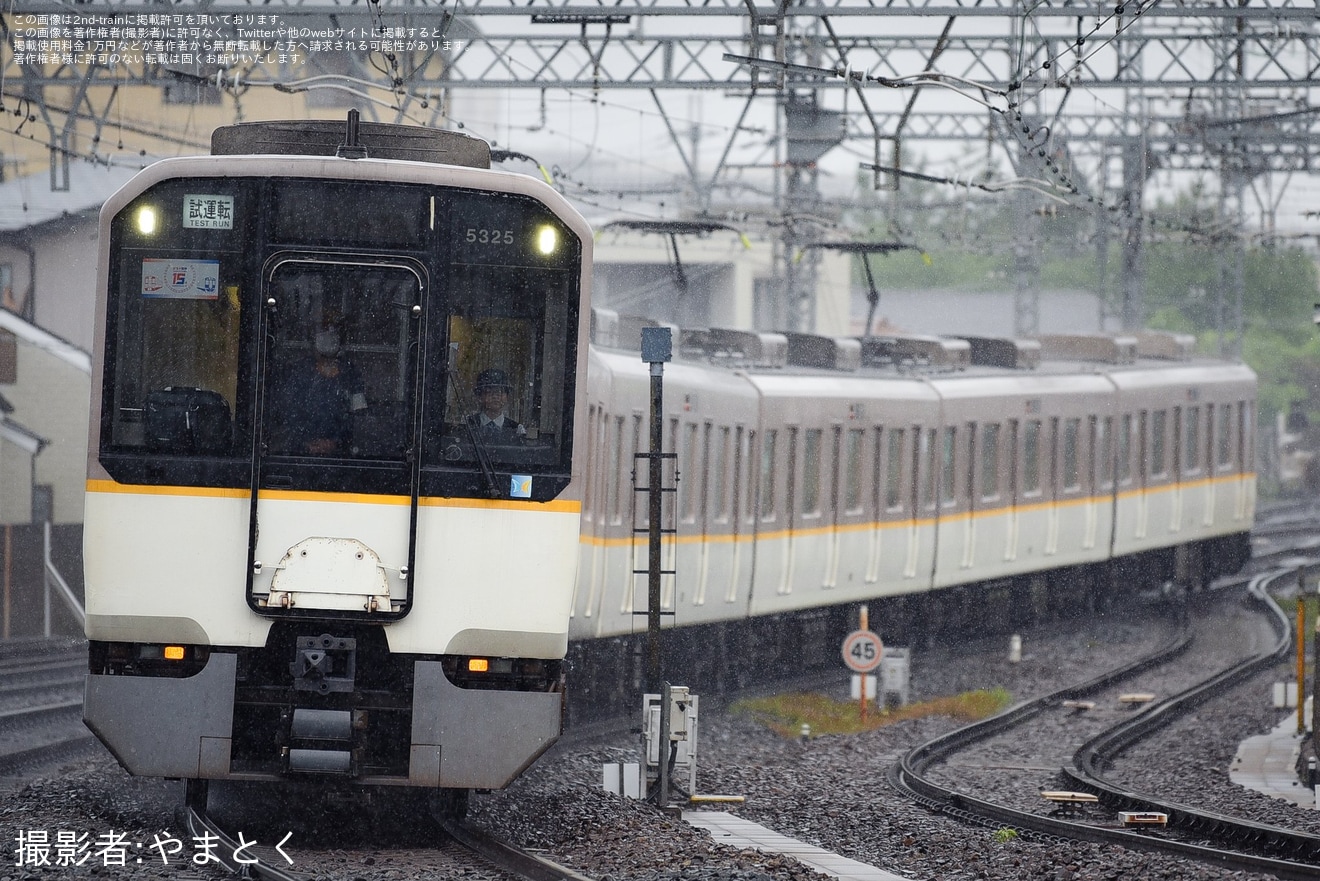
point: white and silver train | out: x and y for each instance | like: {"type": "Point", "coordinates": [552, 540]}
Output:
{"type": "Point", "coordinates": [306, 559]}
{"type": "Point", "coordinates": [814, 473]}
{"type": "Point", "coordinates": [303, 559]}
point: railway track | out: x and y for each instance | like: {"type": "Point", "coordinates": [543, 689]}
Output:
{"type": "Point", "coordinates": [1194, 832]}
{"type": "Point", "coordinates": [41, 706]}
{"type": "Point", "coordinates": [459, 850]}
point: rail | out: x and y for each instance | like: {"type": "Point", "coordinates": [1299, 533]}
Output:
{"type": "Point", "coordinates": [506, 856]}
{"type": "Point", "coordinates": [907, 777]}
{"type": "Point", "coordinates": [1093, 756]}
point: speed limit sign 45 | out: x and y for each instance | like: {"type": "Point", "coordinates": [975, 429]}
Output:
{"type": "Point", "coordinates": [862, 651]}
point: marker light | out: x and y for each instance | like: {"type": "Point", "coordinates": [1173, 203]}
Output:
{"type": "Point", "coordinates": [478, 665]}
{"type": "Point", "coordinates": [146, 220]}
{"type": "Point", "coordinates": [547, 240]}
{"type": "Point", "coordinates": [174, 653]}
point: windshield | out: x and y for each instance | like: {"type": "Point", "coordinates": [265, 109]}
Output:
{"type": "Point", "coordinates": [271, 308]}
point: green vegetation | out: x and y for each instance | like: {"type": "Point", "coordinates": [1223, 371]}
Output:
{"type": "Point", "coordinates": [787, 713]}
{"type": "Point", "coordinates": [1005, 834]}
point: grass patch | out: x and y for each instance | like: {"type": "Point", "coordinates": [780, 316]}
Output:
{"type": "Point", "coordinates": [785, 714]}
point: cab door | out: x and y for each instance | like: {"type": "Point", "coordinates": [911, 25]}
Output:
{"type": "Point", "coordinates": [334, 466]}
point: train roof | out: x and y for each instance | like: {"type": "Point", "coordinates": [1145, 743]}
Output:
{"type": "Point", "coordinates": [1131, 360]}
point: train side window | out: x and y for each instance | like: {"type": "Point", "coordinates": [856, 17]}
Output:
{"type": "Point", "coordinates": [616, 471]}
{"type": "Point", "coordinates": [925, 464]}
{"type": "Point", "coordinates": [767, 482]}
{"type": "Point", "coordinates": [990, 462]}
{"type": "Point", "coordinates": [811, 465]}
{"type": "Point", "coordinates": [672, 478]}
{"type": "Point", "coordinates": [948, 464]}
{"type": "Point", "coordinates": [1072, 474]}
{"type": "Point", "coordinates": [968, 466]}
{"type": "Point", "coordinates": [1158, 426]}
{"type": "Point", "coordinates": [596, 420]}
{"type": "Point", "coordinates": [1124, 455]}
{"type": "Point", "coordinates": [853, 456]}
{"type": "Point", "coordinates": [1012, 485]}
{"type": "Point", "coordinates": [894, 470]}
{"type": "Point", "coordinates": [720, 475]}
{"type": "Point", "coordinates": [690, 480]}
{"type": "Point", "coordinates": [636, 469]}
{"type": "Point", "coordinates": [737, 457]}
{"type": "Point", "coordinates": [791, 476]}
{"type": "Point", "coordinates": [1225, 440]}
{"type": "Point", "coordinates": [1104, 459]}
{"type": "Point", "coordinates": [1245, 435]}
{"type": "Point", "coordinates": [1192, 451]}
{"type": "Point", "coordinates": [742, 471]}
{"type": "Point", "coordinates": [1031, 457]}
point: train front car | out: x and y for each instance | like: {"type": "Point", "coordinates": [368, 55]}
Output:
{"type": "Point", "coordinates": [332, 509]}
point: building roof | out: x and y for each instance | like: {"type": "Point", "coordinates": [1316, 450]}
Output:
{"type": "Point", "coordinates": [28, 201]}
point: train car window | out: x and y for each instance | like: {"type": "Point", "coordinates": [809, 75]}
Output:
{"type": "Point", "coordinates": [613, 491]}
{"type": "Point", "coordinates": [178, 289]}
{"type": "Point", "coordinates": [791, 477]}
{"type": "Point", "coordinates": [1104, 459]}
{"type": "Point", "coordinates": [633, 464]}
{"type": "Point", "coordinates": [948, 463]}
{"type": "Point", "coordinates": [1072, 475]}
{"type": "Point", "coordinates": [1158, 427]}
{"type": "Point", "coordinates": [926, 460]}
{"type": "Point", "coordinates": [595, 437]}
{"type": "Point", "coordinates": [502, 315]}
{"type": "Point", "coordinates": [1225, 440]}
{"type": "Point", "coordinates": [1031, 457]}
{"type": "Point", "coordinates": [340, 362]}
{"type": "Point", "coordinates": [669, 506]}
{"type": "Point", "coordinates": [707, 472]}
{"type": "Point", "coordinates": [1092, 467]}
{"type": "Point", "coordinates": [852, 495]}
{"type": "Point", "coordinates": [894, 470]}
{"type": "Point", "coordinates": [735, 488]}
{"type": "Point", "coordinates": [720, 475]}
{"type": "Point", "coordinates": [1014, 463]}
{"type": "Point", "coordinates": [1192, 451]}
{"type": "Point", "coordinates": [990, 461]}
{"type": "Point", "coordinates": [690, 479]}
{"type": "Point", "coordinates": [767, 481]}
{"type": "Point", "coordinates": [811, 465]}
{"type": "Point", "coordinates": [743, 469]}
{"type": "Point", "coordinates": [1124, 454]}
{"type": "Point", "coordinates": [969, 466]}
{"type": "Point", "coordinates": [1245, 435]}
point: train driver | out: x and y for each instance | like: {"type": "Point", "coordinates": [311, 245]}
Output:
{"type": "Point", "coordinates": [492, 420]}
{"type": "Point", "coordinates": [322, 397]}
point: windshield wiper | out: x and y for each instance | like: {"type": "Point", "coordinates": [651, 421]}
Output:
{"type": "Point", "coordinates": [478, 444]}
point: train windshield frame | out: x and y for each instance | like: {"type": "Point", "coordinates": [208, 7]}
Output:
{"type": "Point", "coordinates": [220, 289]}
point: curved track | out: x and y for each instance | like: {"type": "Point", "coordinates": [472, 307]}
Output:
{"type": "Point", "coordinates": [1266, 843]}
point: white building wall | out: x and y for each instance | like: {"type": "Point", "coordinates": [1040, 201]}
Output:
{"type": "Point", "coordinates": [50, 398]}
{"type": "Point", "coordinates": [15, 484]}
{"type": "Point", "coordinates": [66, 280]}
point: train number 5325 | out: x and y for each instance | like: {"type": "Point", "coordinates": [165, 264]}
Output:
{"type": "Point", "coordinates": [489, 236]}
